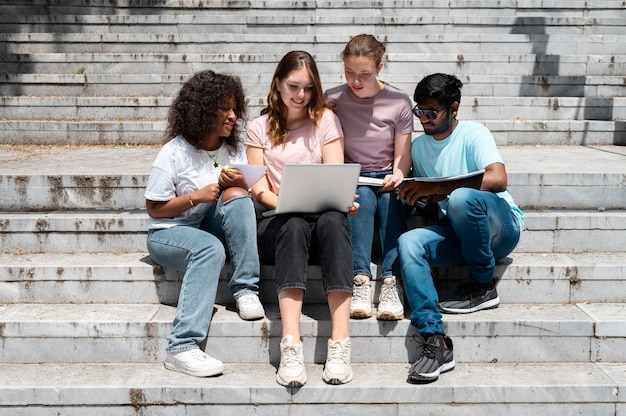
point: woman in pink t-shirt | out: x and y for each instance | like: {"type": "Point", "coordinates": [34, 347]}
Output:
{"type": "Point", "coordinates": [298, 127]}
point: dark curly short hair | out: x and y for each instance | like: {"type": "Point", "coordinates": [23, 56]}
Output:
{"type": "Point", "coordinates": [444, 87]}
{"type": "Point", "coordinates": [195, 110]}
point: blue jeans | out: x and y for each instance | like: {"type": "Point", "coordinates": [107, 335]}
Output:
{"type": "Point", "coordinates": [479, 228]}
{"type": "Point", "coordinates": [390, 213]}
{"type": "Point", "coordinates": [201, 254]}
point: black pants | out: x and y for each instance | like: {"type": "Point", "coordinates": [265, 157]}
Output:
{"type": "Point", "coordinates": [293, 241]}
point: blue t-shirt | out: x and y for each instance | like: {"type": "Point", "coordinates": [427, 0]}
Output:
{"type": "Point", "coordinates": [469, 148]}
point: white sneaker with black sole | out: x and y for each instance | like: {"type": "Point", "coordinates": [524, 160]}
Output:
{"type": "Point", "coordinates": [291, 371]}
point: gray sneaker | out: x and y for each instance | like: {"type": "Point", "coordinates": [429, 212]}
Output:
{"type": "Point", "coordinates": [436, 358]}
{"type": "Point", "coordinates": [471, 297]}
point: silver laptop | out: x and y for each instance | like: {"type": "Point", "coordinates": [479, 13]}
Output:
{"type": "Point", "coordinates": [311, 189]}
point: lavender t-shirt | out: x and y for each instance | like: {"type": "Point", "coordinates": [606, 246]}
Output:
{"type": "Point", "coordinates": [371, 124]}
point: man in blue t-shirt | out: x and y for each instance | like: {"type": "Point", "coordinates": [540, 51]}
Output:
{"type": "Point", "coordinates": [475, 226]}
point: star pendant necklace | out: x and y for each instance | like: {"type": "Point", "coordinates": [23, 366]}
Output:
{"type": "Point", "coordinates": [214, 158]}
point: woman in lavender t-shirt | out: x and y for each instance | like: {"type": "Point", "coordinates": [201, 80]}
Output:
{"type": "Point", "coordinates": [377, 124]}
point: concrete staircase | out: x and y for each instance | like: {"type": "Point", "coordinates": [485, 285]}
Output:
{"type": "Point", "coordinates": [84, 312]}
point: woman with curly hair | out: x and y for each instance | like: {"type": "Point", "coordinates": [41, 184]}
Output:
{"type": "Point", "coordinates": [197, 207]}
{"type": "Point", "coordinates": [298, 127]}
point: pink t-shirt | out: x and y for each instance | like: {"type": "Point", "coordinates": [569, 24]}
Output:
{"type": "Point", "coordinates": [304, 145]}
{"type": "Point", "coordinates": [370, 125]}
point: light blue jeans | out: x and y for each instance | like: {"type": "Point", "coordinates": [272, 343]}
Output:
{"type": "Point", "coordinates": [390, 213]}
{"type": "Point", "coordinates": [479, 229]}
{"type": "Point", "coordinates": [200, 253]}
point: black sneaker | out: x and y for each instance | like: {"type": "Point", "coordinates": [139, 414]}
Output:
{"type": "Point", "coordinates": [436, 358]}
{"type": "Point", "coordinates": [471, 297]}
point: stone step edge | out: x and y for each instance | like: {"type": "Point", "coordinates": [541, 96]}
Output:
{"type": "Point", "coordinates": [144, 385]}
{"type": "Point", "coordinates": [134, 221]}
{"type": "Point", "coordinates": [137, 266]}
{"type": "Point", "coordinates": [584, 319]}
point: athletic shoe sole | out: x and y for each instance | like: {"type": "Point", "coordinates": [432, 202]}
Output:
{"type": "Point", "coordinates": [360, 314]}
{"type": "Point", "coordinates": [431, 377]}
{"type": "Point", "coordinates": [490, 304]}
{"type": "Point", "coordinates": [389, 316]}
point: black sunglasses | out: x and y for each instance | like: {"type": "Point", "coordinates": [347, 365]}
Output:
{"type": "Point", "coordinates": [430, 114]}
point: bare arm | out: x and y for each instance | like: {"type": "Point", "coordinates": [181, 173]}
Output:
{"type": "Point", "coordinates": [401, 162]}
{"type": "Point", "coordinates": [494, 180]}
{"type": "Point", "coordinates": [332, 152]}
{"type": "Point", "coordinates": [180, 204]}
{"type": "Point", "coordinates": [261, 190]}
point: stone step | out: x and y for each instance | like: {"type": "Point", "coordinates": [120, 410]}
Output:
{"type": "Point", "coordinates": [114, 177]}
{"type": "Point", "coordinates": [133, 132]}
{"type": "Point", "coordinates": [503, 7]}
{"type": "Point", "coordinates": [477, 20]}
{"type": "Point", "coordinates": [136, 333]}
{"type": "Point", "coordinates": [514, 389]}
{"type": "Point", "coordinates": [155, 108]}
{"type": "Point", "coordinates": [33, 78]}
{"type": "Point", "coordinates": [546, 231]}
{"type": "Point", "coordinates": [256, 66]}
{"type": "Point", "coordinates": [126, 278]}
{"type": "Point", "coordinates": [417, 42]}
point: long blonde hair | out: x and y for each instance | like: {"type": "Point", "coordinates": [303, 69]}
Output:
{"type": "Point", "coordinates": [276, 109]}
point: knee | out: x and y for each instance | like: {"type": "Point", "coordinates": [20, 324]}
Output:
{"type": "Point", "coordinates": [460, 200]}
{"type": "Point", "coordinates": [233, 192]}
{"type": "Point", "coordinates": [332, 221]}
{"type": "Point", "coordinates": [213, 250]}
{"type": "Point", "coordinates": [410, 243]}
{"type": "Point", "coordinates": [294, 226]}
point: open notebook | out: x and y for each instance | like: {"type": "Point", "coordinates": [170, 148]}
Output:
{"type": "Point", "coordinates": [316, 188]}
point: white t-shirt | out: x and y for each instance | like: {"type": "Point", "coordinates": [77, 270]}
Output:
{"type": "Point", "coordinates": [181, 168]}
{"type": "Point", "coordinates": [303, 146]}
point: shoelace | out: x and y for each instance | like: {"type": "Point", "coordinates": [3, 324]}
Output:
{"type": "Point", "coordinates": [199, 355]}
{"type": "Point", "coordinates": [388, 292]}
{"type": "Point", "coordinates": [360, 292]}
{"type": "Point", "coordinates": [290, 356]}
{"type": "Point", "coordinates": [337, 353]}
{"type": "Point", "coordinates": [247, 300]}
{"type": "Point", "coordinates": [430, 351]}
{"type": "Point", "coordinates": [465, 289]}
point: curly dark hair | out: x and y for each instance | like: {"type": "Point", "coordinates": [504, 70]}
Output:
{"type": "Point", "coordinates": [195, 110]}
{"type": "Point", "coordinates": [277, 110]}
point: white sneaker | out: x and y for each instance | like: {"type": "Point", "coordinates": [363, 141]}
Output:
{"type": "Point", "coordinates": [390, 304]}
{"type": "Point", "coordinates": [361, 304]}
{"type": "Point", "coordinates": [250, 307]}
{"type": "Point", "coordinates": [291, 372]}
{"type": "Point", "coordinates": [337, 369]}
{"type": "Point", "coordinates": [194, 362]}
